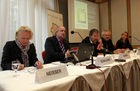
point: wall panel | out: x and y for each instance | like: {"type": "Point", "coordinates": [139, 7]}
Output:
{"type": "Point", "coordinates": [104, 25]}
{"type": "Point", "coordinates": [135, 21]}
{"type": "Point", "coordinates": [119, 18]}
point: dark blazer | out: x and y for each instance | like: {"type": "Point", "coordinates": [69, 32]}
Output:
{"type": "Point", "coordinates": [53, 50]}
{"type": "Point", "coordinates": [12, 52]}
{"type": "Point", "coordinates": [121, 45]}
{"type": "Point", "coordinates": [87, 40]}
{"type": "Point", "coordinates": [108, 45]}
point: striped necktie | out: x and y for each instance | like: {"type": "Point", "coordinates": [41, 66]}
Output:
{"type": "Point", "coordinates": [62, 46]}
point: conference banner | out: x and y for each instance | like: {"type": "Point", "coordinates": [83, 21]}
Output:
{"type": "Point", "coordinates": [54, 20]}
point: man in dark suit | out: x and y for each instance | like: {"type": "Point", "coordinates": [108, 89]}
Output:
{"type": "Point", "coordinates": [93, 39]}
{"type": "Point", "coordinates": [20, 49]}
{"type": "Point", "coordinates": [56, 47]}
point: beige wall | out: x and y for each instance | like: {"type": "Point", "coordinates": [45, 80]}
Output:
{"type": "Point", "coordinates": [135, 20]}
{"type": "Point", "coordinates": [104, 25]}
{"type": "Point", "coordinates": [119, 18]}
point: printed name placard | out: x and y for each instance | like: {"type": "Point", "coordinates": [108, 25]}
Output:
{"type": "Point", "coordinates": [138, 51]}
{"type": "Point", "coordinates": [124, 56]}
{"type": "Point", "coordinates": [100, 61]}
{"type": "Point", "coordinates": [51, 73]}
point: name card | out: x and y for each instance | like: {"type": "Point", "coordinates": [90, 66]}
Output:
{"type": "Point", "coordinates": [51, 73]}
{"type": "Point", "coordinates": [100, 61]}
{"type": "Point", "coordinates": [124, 56]}
{"type": "Point", "coordinates": [138, 51]}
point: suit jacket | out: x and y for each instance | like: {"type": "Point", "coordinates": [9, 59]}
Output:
{"type": "Point", "coordinates": [12, 52]}
{"type": "Point", "coordinates": [53, 50]}
{"type": "Point", "coordinates": [87, 40]}
{"type": "Point", "coordinates": [121, 45]}
{"type": "Point", "coordinates": [108, 45]}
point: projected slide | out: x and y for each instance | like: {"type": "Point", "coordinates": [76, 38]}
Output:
{"type": "Point", "coordinates": [81, 16]}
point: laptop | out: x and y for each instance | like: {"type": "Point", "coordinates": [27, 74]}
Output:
{"type": "Point", "coordinates": [80, 52]}
{"type": "Point", "coordinates": [84, 53]}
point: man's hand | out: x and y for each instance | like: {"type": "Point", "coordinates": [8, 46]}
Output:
{"type": "Point", "coordinates": [21, 67]}
{"type": "Point", "coordinates": [68, 53]}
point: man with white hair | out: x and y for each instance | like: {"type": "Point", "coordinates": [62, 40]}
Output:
{"type": "Point", "coordinates": [107, 42]}
{"type": "Point", "coordinates": [56, 47]}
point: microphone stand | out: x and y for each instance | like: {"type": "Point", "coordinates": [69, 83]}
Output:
{"type": "Point", "coordinates": [72, 32]}
{"type": "Point", "coordinates": [136, 38]}
{"type": "Point", "coordinates": [79, 35]}
{"type": "Point", "coordinates": [104, 51]}
{"type": "Point", "coordinates": [92, 66]}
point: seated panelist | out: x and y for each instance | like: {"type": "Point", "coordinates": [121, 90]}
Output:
{"type": "Point", "coordinates": [123, 42]}
{"type": "Point", "coordinates": [56, 47]}
{"type": "Point", "coordinates": [107, 42]}
{"type": "Point", "coordinates": [93, 39]}
{"type": "Point", "coordinates": [20, 49]}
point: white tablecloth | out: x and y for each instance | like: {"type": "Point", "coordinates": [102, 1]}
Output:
{"type": "Point", "coordinates": [25, 81]}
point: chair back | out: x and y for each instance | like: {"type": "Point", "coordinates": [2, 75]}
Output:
{"type": "Point", "coordinates": [43, 55]}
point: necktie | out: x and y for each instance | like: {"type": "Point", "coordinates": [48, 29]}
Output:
{"type": "Point", "coordinates": [62, 46]}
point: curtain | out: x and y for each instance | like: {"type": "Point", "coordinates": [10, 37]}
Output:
{"type": "Point", "coordinates": [4, 23]}
{"type": "Point", "coordinates": [32, 13]}
{"type": "Point", "coordinates": [56, 5]}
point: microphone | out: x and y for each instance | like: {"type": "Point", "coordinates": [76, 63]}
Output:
{"type": "Point", "coordinates": [72, 32]}
{"type": "Point", "coordinates": [73, 53]}
{"type": "Point", "coordinates": [104, 50]}
{"type": "Point", "coordinates": [134, 38]}
{"type": "Point", "coordinates": [75, 57]}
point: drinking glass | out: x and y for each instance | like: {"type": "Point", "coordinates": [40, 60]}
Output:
{"type": "Point", "coordinates": [134, 51]}
{"type": "Point", "coordinates": [15, 66]}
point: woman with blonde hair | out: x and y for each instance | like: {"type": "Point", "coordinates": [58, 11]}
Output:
{"type": "Point", "coordinates": [20, 49]}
